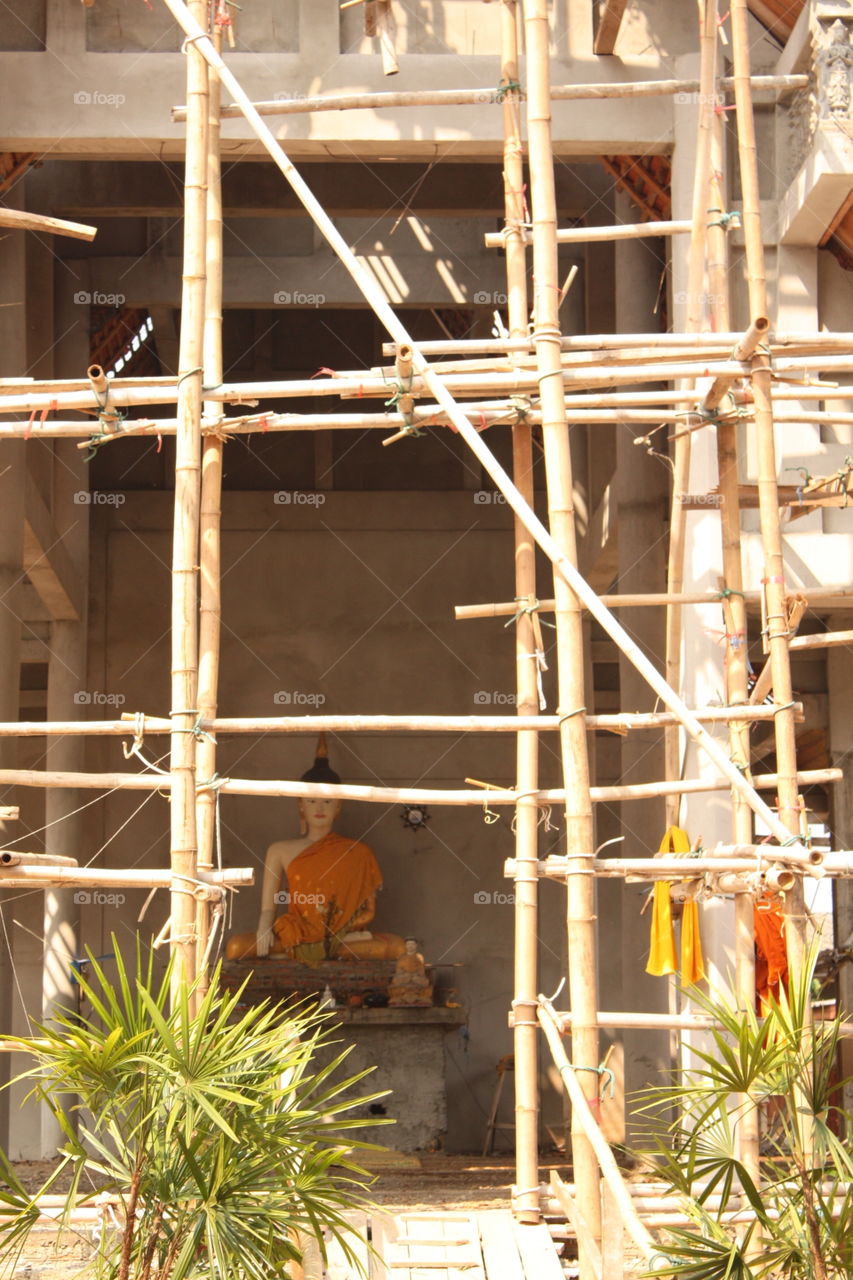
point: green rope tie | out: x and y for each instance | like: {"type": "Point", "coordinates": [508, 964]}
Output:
{"type": "Point", "coordinates": [190, 373]}
{"type": "Point", "coordinates": [609, 1083]}
{"type": "Point", "coordinates": [530, 609]}
{"type": "Point", "coordinates": [725, 220]}
{"type": "Point", "coordinates": [211, 784]}
{"type": "Point", "coordinates": [200, 733]}
{"type": "Point", "coordinates": [505, 87]}
{"type": "Point", "coordinates": [94, 442]}
{"type": "Point", "coordinates": [726, 593]}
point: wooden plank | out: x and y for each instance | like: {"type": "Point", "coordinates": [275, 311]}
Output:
{"type": "Point", "coordinates": [608, 20]}
{"type": "Point", "coordinates": [338, 1266]}
{"type": "Point", "coordinates": [612, 1236]}
{"type": "Point", "coordinates": [52, 226]}
{"type": "Point", "coordinates": [497, 1242]}
{"type": "Point", "coordinates": [436, 1245]}
{"type": "Point", "coordinates": [537, 1251]}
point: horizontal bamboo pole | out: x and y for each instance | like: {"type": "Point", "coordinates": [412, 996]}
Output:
{"type": "Point", "coordinates": [822, 640]}
{"type": "Point", "coordinates": [372, 724]}
{"type": "Point", "coordinates": [506, 609]}
{"type": "Point", "coordinates": [686, 868]}
{"type": "Point", "coordinates": [302, 105]}
{"type": "Point", "coordinates": [778, 342]}
{"type": "Point", "coordinates": [744, 349]}
{"type": "Point", "coordinates": [14, 858]}
{"type": "Point", "coordinates": [359, 385]}
{"type": "Point", "coordinates": [203, 884]}
{"type": "Point", "coordinates": [19, 221]}
{"type": "Point", "coordinates": [404, 795]}
{"type": "Point", "coordinates": [593, 234]}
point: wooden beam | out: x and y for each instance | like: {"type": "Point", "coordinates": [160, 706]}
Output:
{"type": "Point", "coordinates": [47, 563]}
{"type": "Point", "coordinates": [776, 25]}
{"type": "Point", "coordinates": [608, 16]}
{"type": "Point", "coordinates": [51, 226]}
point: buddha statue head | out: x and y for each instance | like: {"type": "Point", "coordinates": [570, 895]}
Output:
{"type": "Point", "coordinates": [317, 813]}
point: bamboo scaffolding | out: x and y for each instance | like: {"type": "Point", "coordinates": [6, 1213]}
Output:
{"type": "Point", "coordinates": [595, 234]}
{"type": "Point", "coordinates": [350, 384]}
{"type": "Point", "coordinates": [603, 1155]}
{"type": "Point", "coordinates": [778, 342]}
{"type": "Point", "coordinates": [375, 724]}
{"type": "Point", "coordinates": [760, 865]}
{"type": "Point", "coordinates": [99, 877]}
{"type": "Point", "coordinates": [707, 10]}
{"type": "Point", "coordinates": [526, 910]}
{"type": "Point", "coordinates": [736, 664]}
{"type": "Point", "coordinates": [478, 97]}
{"type": "Point", "coordinates": [210, 515]}
{"type": "Point", "coordinates": [17, 220]}
{"type": "Point", "coordinates": [774, 584]}
{"type": "Point", "coordinates": [580, 904]}
{"type": "Point", "coordinates": [503, 609]}
{"type": "Point", "coordinates": [185, 546]}
{"type": "Point", "coordinates": [418, 795]}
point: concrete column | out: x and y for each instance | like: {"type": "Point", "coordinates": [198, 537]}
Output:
{"type": "Point", "coordinates": [642, 494]}
{"type": "Point", "coordinates": [841, 824]}
{"type": "Point", "coordinates": [66, 683]}
{"type": "Point", "coordinates": [12, 488]}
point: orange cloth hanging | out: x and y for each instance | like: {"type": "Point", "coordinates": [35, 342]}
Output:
{"type": "Point", "coordinates": [662, 957]}
{"type": "Point", "coordinates": [771, 967]}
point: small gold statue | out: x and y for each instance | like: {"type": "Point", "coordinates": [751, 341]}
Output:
{"type": "Point", "coordinates": [410, 985]}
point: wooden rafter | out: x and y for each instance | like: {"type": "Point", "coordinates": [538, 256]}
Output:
{"type": "Point", "coordinates": [778, 16]}
{"type": "Point", "coordinates": [608, 15]}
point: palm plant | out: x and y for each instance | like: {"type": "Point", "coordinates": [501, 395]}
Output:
{"type": "Point", "coordinates": [801, 1202]}
{"type": "Point", "coordinates": [215, 1126]}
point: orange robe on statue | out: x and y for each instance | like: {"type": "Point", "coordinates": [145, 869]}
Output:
{"type": "Point", "coordinates": [331, 886]}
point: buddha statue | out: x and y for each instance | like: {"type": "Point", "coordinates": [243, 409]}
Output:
{"type": "Point", "coordinates": [328, 884]}
{"type": "Point", "coordinates": [410, 984]}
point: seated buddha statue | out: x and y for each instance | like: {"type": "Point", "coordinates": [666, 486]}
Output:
{"type": "Point", "coordinates": [410, 984]}
{"type": "Point", "coordinates": [328, 884]}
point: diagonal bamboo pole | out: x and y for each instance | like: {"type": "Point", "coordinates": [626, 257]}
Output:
{"type": "Point", "coordinates": [397, 331]}
{"type": "Point", "coordinates": [580, 888]}
{"type": "Point", "coordinates": [185, 539]}
{"type": "Point", "coordinates": [525, 978]}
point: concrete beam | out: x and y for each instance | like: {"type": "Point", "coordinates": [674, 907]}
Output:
{"type": "Point", "coordinates": [118, 105]}
{"type": "Point", "coordinates": [88, 188]}
{"type": "Point", "coordinates": [46, 562]}
{"type": "Point", "coordinates": [820, 188]}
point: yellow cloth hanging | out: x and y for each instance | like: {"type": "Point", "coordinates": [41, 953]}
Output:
{"type": "Point", "coordinates": [662, 958]}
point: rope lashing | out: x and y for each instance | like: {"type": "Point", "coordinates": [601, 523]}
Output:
{"type": "Point", "coordinates": [198, 732]}
{"type": "Point", "coordinates": [726, 593]}
{"type": "Point", "coordinates": [564, 716]}
{"type": "Point", "coordinates": [211, 784]}
{"type": "Point", "coordinates": [727, 220]}
{"type": "Point", "coordinates": [601, 1071]}
{"type": "Point", "coordinates": [505, 87]}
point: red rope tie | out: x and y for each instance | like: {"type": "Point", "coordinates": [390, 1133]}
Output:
{"type": "Point", "coordinates": [777, 578]}
{"type": "Point", "coordinates": [324, 371]}
{"type": "Point", "coordinates": [483, 424]}
{"type": "Point", "coordinates": [29, 427]}
{"type": "Point", "coordinates": [720, 110]}
{"type": "Point", "coordinates": [263, 422]}
{"type": "Point", "coordinates": [159, 442]}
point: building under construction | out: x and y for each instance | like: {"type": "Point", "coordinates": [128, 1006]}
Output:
{"type": "Point", "coordinates": [469, 383]}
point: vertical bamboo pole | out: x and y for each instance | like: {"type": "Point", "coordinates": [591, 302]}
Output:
{"type": "Point", "coordinates": [527, 642]}
{"type": "Point", "coordinates": [768, 496]}
{"type": "Point", "coordinates": [185, 538]}
{"type": "Point", "coordinates": [736, 667]}
{"type": "Point", "coordinates": [211, 503]}
{"type": "Point", "coordinates": [707, 12]}
{"type": "Point", "coordinates": [583, 983]}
